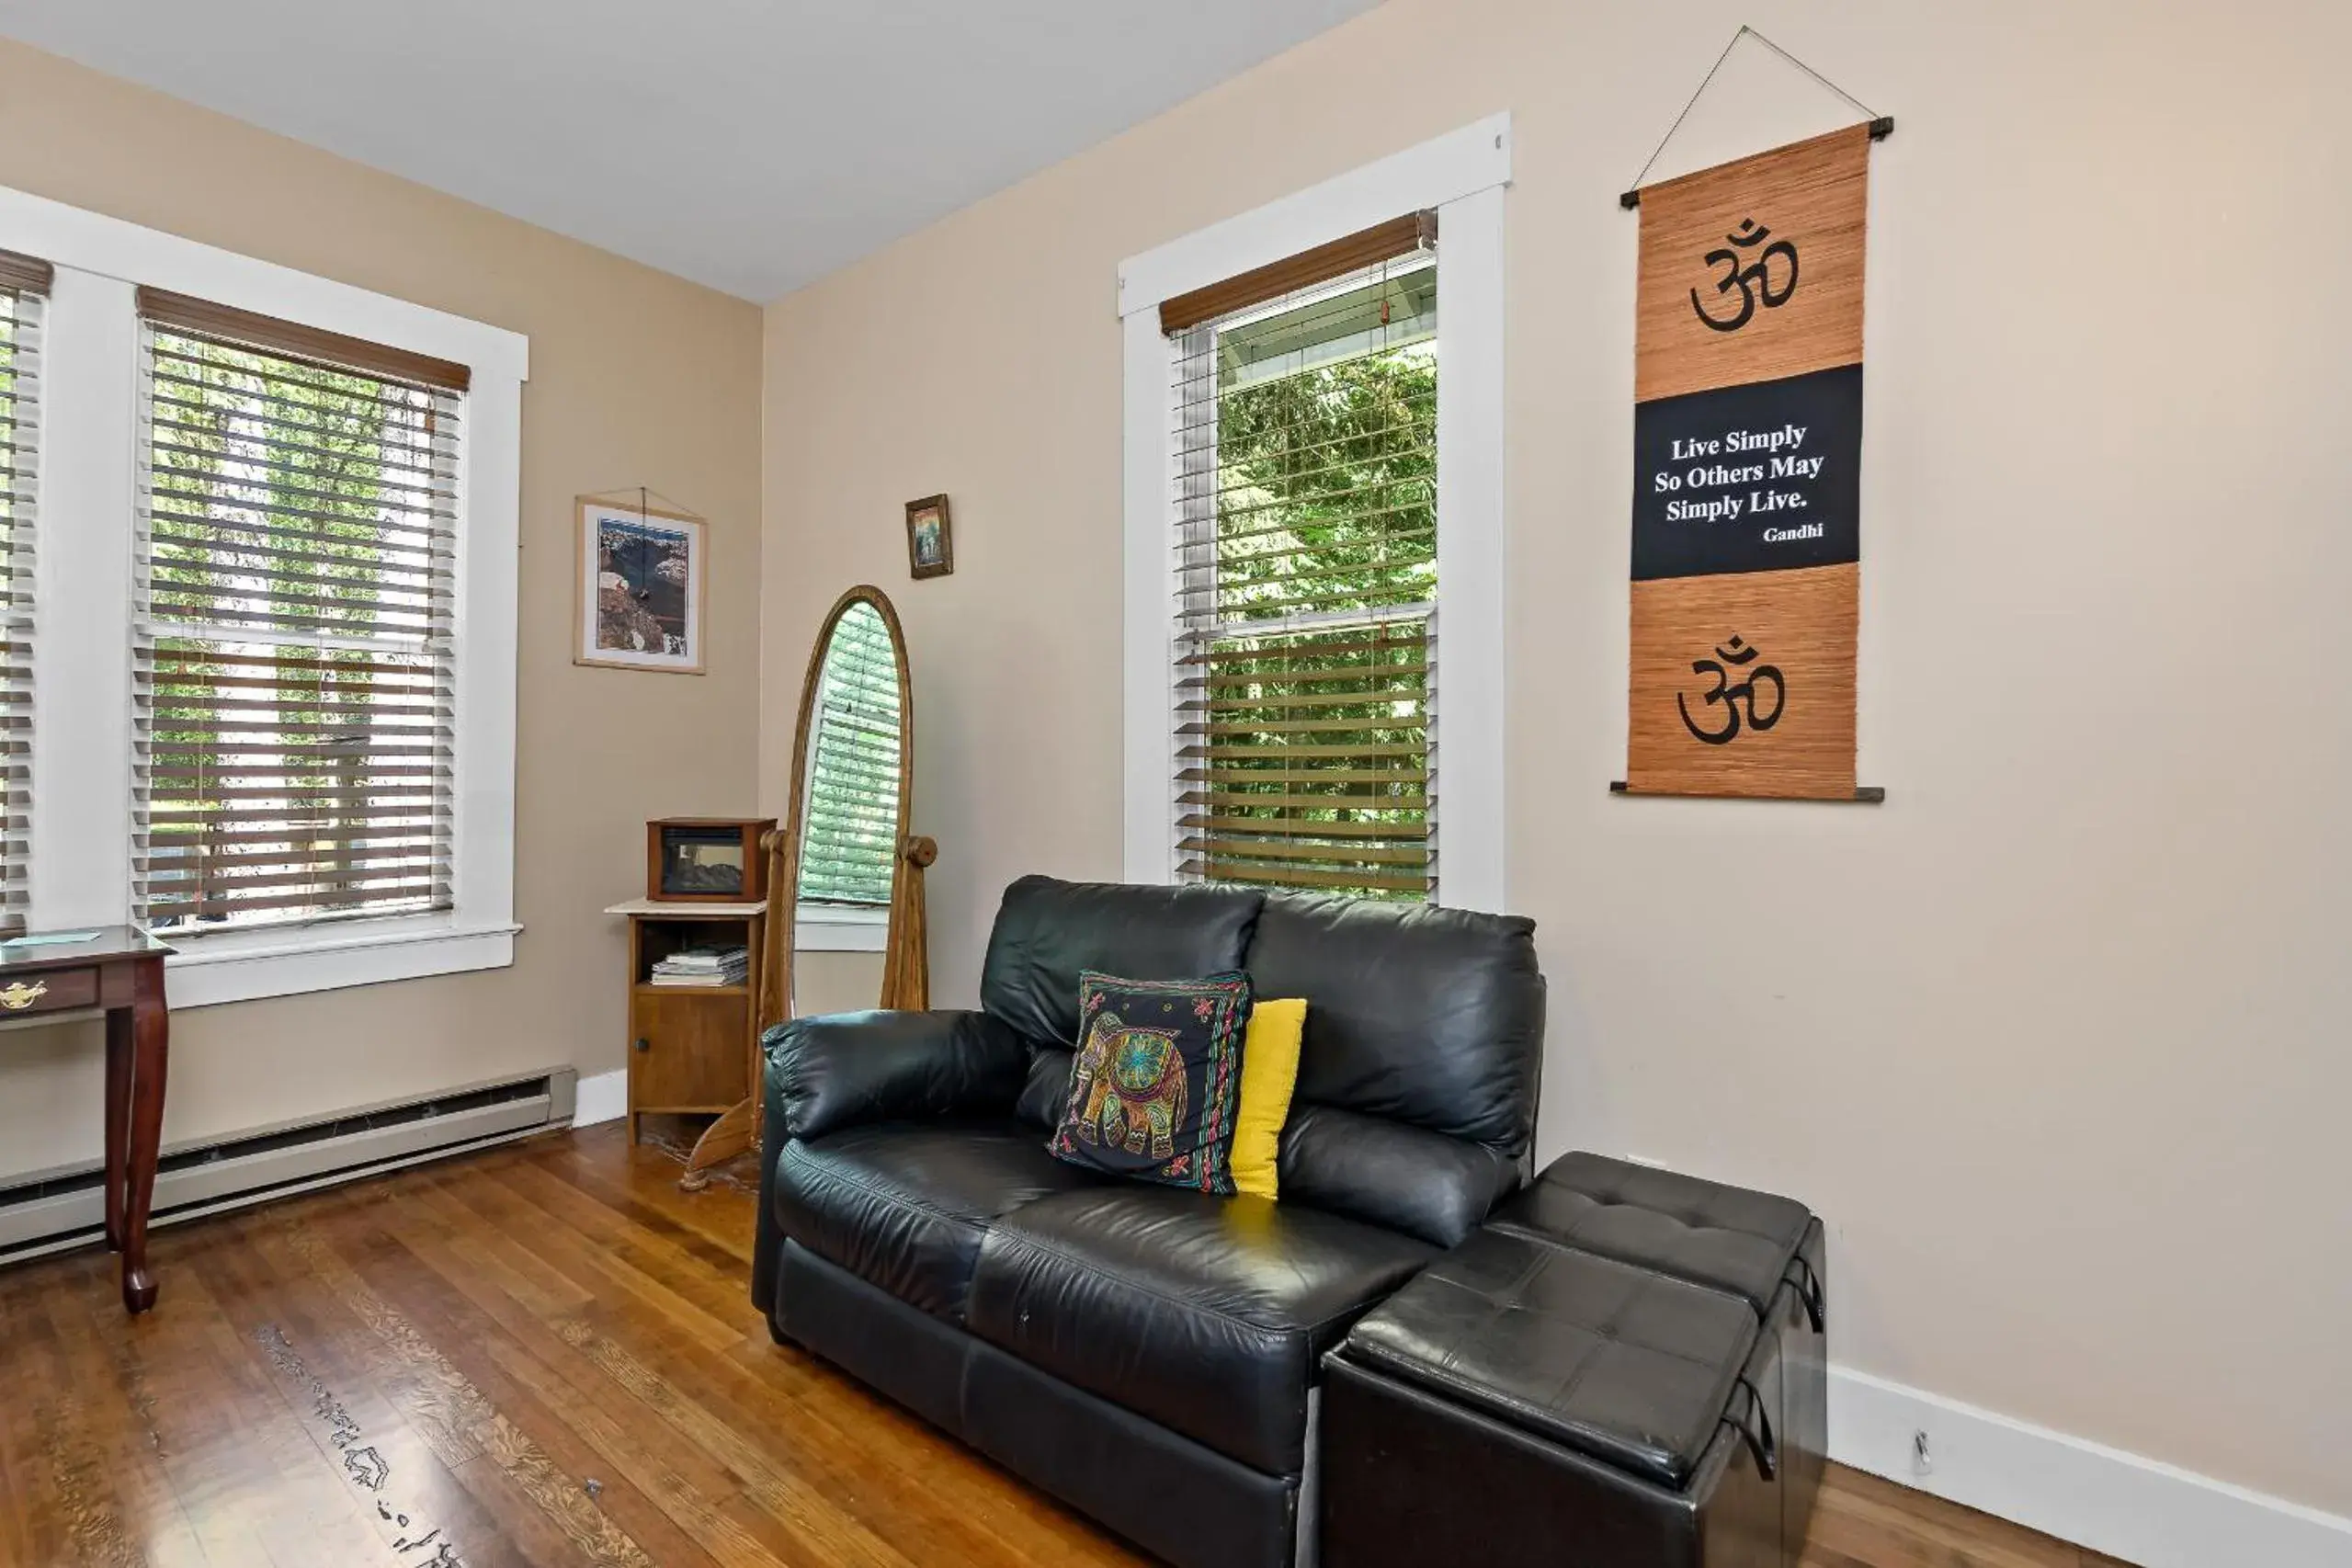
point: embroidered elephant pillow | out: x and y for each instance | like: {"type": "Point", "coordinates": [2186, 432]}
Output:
{"type": "Point", "coordinates": [1155, 1088]}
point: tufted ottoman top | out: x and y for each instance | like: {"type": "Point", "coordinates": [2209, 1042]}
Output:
{"type": "Point", "coordinates": [1633, 1368]}
{"type": "Point", "coordinates": [1702, 1231]}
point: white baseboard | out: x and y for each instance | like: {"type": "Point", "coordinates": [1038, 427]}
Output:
{"type": "Point", "coordinates": [2154, 1515]}
{"type": "Point", "coordinates": [603, 1096]}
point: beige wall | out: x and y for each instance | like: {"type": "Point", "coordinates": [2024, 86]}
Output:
{"type": "Point", "coordinates": [636, 379]}
{"type": "Point", "coordinates": [2056, 1038]}
{"type": "Point", "coordinates": [835, 982]}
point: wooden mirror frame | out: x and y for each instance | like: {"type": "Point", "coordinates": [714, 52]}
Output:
{"type": "Point", "coordinates": [906, 967]}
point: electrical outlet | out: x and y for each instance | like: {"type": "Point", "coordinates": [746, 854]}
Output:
{"type": "Point", "coordinates": [1923, 1463]}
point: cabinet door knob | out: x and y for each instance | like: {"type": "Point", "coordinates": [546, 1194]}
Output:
{"type": "Point", "coordinates": [644, 1044]}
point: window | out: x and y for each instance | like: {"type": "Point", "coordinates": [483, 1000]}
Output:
{"type": "Point", "coordinates": [24, 284]}
{"type": "Point", "coordinates": [849, 842]}
{"type": "Point", "coordinates": [275, 693]}
{"type": "Point", "coordinates": [1314, 455]}
{"type": "Point", "coordinates": [1306, 539]}
{"type": "Point", "coordinates": [292, 625]}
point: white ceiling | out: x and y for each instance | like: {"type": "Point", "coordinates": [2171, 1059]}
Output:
{"type": "Point", "coordinates": [750, 144]}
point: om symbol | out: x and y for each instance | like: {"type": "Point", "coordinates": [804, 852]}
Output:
{"type": "Point", "coordinates": [1734, 657]}
{"type": "Point", "coordinates": [1753, 280]}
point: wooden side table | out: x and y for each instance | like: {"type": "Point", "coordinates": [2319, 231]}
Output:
{"type": "Point", "coordinates": [693, 1049]}
{"type": "Point", "coordinates": [119, 972]}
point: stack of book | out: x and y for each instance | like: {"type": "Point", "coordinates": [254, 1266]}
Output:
{"type": "Point", "coordinates": [703, 966]}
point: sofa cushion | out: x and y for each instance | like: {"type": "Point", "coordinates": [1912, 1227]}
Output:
{"type": "Point", "coordinates": [1046, 931]}
{"type": "Point", "coordinates": [1422, 1023]}
{"type": "Point", "coordinates": [1426, 1016]}
{"type": "Point", "coordinates": [1048, 1088]}
{"type": "Point", "coordinates": [1729, 1237]}
{"type": "Point", "coordinates": [1269, 1073]}
{"type": "Point", "coordinates": [904, 1206]}
{"type": "Point", "coordinates": [1156, 1087]}
{"type": "Point", "coordinates": [1424, 1184]}
{"type": "Point", "coordinates": [892, 1066]}
{"type": "Point", "coordinates": [1208, 1314]}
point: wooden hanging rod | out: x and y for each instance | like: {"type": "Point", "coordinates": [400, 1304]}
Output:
{"type": "Point", "coordinates": [1881, 128]}
{"type": "Point", "coordinates": [1864, 795]}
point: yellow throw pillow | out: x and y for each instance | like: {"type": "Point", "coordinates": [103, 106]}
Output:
{"type": "Point", "coordinates": [1269, 1072]}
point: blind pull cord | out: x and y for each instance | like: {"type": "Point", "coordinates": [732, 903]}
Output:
{"type": "Point", "coordinates": [1881, 126]}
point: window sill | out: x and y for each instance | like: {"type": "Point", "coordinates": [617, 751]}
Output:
{"type": "Point", "coordinates": [252, 965]}
{"type": "Point", "coordinates": [830, 929]}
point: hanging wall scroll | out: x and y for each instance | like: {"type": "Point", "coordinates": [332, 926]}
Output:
{"type": "Point", "coordinates": [1747, 444]}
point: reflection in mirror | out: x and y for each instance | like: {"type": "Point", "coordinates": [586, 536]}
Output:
{"type": "Point", "coordinates": [849, 811]}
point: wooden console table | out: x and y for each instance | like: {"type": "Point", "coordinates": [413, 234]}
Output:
{"type": "Point", "coordinates": [118, 972]}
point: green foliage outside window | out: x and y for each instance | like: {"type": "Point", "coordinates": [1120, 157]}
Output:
{"type": "Point", "coordinates": [289, 772]}
{"type": "Point", "coordinates": [1317, 740]}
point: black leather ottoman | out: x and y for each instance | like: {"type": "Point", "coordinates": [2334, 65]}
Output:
{"type": "Point", "coordinates": [1624, 1369]}
{"type": "Point", "coordinates": [1765, 1249]}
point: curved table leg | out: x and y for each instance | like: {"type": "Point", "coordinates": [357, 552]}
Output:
{"type": "Point", "coordinates": [150, 1062]}
{"type": "Point", "coordinates": [118, 1110]}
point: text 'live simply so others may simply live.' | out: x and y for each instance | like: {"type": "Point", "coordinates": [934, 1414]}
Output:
{"type": "Point", "coordinates": [1708, 489]}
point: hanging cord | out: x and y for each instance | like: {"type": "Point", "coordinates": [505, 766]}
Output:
{"type": "Point", "coordinates": [645, 501]}
{"type": "Point", "coordinates": [1880, 126]}
{"type": "Point", "coordinates": [644, 545]}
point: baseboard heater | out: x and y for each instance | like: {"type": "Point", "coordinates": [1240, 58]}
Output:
{"type": "Point", "coordinates": [53, 1211]}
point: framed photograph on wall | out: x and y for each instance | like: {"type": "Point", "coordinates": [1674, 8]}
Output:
{"type": "Point", "coordinates": [637, 604]}
{"type": "Point", "coordinates": [930, 542]}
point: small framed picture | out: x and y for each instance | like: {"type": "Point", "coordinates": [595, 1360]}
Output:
{"type": "Point", "coordinates": [637, 605]}
{"type": "Point", "coordinates": [930, 542]}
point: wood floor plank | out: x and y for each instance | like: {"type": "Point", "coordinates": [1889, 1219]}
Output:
{"type": "Point", "coordinates": [550, 1321]}
{"type": "Point", "coordinates": [665, 1510]}
{"type": "Point", "coordinates": [306, 1347]}
{"type": "Point", "coordinates": [571, 1510]}
{"type": "Point", "coordinates": [454, 1416]}
{"type": "Point", "coordinates": [147, 1523]}
{"type": "Point", "coordinates": [514, 1345]}
{"type": "Point", "coordinates": [24, 1504]}
{"type": "Point", "coordinates": [496, 1332]}
{"type": "Point", "coordinates": [796, 1451]}
{"type": "Point", "coordinates": [987, 1522]}
{"type": "Point", "coordinates": [85, 1524]}
{"type": "Point", "coordinates": [612, 1264]}
{"type": "Point", "coordinates": [248, 1479]}
{"type": "Point", "coordinates": [1872, 1521]}
{"type": "Point", "coordinates": [719, 1214]}
{"type": "Point", "coordinates": [656, 1264]}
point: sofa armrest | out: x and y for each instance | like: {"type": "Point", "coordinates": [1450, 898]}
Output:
{"type": "Point", "coordinates": [824, 1073]}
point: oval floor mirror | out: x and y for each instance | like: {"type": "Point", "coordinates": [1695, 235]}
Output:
{"type": "Point", "coordinates": [844, 841]}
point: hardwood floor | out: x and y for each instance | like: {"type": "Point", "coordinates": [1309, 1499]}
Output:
{"type": "Point", "coordinates": [542, 1356]}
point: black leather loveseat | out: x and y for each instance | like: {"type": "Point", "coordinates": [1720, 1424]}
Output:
{"type": "Point", "coordinates": [1152, 1355]}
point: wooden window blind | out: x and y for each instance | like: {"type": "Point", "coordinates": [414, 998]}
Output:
{"type": "Point", "coordinates": [1306, 570]}
{"type": "Point", "coordinates": [292, 626]}
{"type": "Point", "coordinates": [24, 289]}
{"type": "Point", "coordinates": [850, 833]}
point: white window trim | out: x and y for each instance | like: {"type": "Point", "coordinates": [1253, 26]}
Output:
{"type": "Point", "coordinates": [840, 928]}
{"type": "Point", "coordinates": [80, 861]}
{"type": "Point", "coordinates": [1462, 175]}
